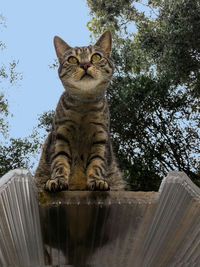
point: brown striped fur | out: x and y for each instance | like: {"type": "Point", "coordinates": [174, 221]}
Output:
{"type": "Point", "coordinates": [77, 154]}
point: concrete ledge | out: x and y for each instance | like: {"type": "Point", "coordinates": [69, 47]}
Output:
{"type": "Point", "coordinates": [89, 198]}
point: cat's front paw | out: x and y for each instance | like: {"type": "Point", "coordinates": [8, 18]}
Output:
{"type": "Point", "coordinates": [57, 184]}
{"type": "Point", "coordinates": [97, 185]}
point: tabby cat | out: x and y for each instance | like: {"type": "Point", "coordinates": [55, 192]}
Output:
{"type": "Point", "coordinates": [77, 154]}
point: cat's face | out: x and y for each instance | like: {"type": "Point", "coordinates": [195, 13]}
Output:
{"type": "Point", "coordinates": [85, 71]}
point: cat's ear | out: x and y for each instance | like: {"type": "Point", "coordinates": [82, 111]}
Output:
{"type": "Point", "coordinates": [61, 47]}
{"type": "Point", "coordinates": [105, 42]}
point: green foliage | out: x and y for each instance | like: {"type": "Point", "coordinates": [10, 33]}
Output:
{"type": "Point", "coordinates": [154, 96]}
{"type": "Point", "coordinates": [14, 153]}
{"type": "Point", "coordinates": [3, 114]}
{"type": "Point", "coordinates": [45, 120]}
{"type": "Point", "coordinates": [172, 42]}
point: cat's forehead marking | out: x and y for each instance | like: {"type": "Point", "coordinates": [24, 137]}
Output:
{"type": "Point", "coordinates": [83, 51]}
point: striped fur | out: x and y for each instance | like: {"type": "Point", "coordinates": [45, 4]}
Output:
{"type": "Point", "coordinates": [77, 154]}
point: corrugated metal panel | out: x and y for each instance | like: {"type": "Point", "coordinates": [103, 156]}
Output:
{"type": "Point", "coordinates": [99, 229]}
{"type": "Point", "coordinates": [20, 232]}
{"type": "Point", "coordinates": [173, 237]}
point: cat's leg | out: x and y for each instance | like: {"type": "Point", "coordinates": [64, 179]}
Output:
{"type": "Point", "coordinates": [97, 163]}
{"type": "Point", "coordinates": [60, 163]}
{"type": "Point", "coordinates": [42, 172]}
{"type": "Point", "coordinates": [60, 173]}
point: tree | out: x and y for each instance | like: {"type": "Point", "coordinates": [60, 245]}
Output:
{"type": "Point", "coordinates": [172, 42]}
{"type": "Point", "coordinates": [14, 152]}
{"type": "Point", "coordinates": [154, 95]}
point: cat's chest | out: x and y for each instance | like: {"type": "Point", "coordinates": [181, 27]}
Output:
{"type": "Point", "coordinates": [88, 125]}
{"type": "Point", "coordinates": [81, 127]}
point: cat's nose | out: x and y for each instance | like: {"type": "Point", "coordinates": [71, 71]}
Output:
{"type": "Point", "coordinates": [85, 65]}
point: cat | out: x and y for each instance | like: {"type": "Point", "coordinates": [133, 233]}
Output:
{"type": "Point", "coordinates": [77, 154]}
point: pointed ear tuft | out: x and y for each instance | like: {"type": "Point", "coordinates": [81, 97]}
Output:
{"type": "Point", "coordinates": [61, 47]}
{"type": "Point", "coordinates": [105, 42]}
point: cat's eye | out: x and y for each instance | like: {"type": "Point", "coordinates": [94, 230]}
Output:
{"type": "Point", "coordinates": [73, 60]}
{"type": "Point", "coordinates": [95, 58]}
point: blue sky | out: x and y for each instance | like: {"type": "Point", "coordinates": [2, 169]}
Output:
{"type": "Point", "coordinates": [31, 26]}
